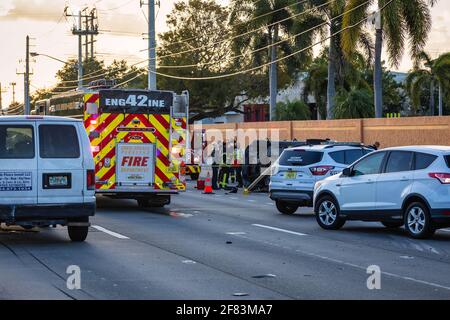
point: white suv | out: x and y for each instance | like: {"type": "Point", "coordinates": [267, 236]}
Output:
{"type": "Point", "coordinates": [46, 174]}
{"type": "Point", "coordinates": [407, 186]}
{"type": "Point", "coordinates": [298, 169]}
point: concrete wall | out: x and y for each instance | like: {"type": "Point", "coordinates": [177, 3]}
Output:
{"type": "Point", "coordinates": [389, 132]}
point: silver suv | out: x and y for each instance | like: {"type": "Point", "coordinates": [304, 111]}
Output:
{"type": "Point", "coordinates": [298, 169]}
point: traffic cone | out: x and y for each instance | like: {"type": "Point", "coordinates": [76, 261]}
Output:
{"type": "Point", "coordinates": [208, 185]}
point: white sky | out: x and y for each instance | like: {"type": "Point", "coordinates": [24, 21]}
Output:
{"type": "Point", "coordinates": [43, 20]}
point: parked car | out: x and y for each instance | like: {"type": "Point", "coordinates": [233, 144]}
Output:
{"type": "Point", "coordinates": [298, 169]}
{"type": "Point", "coordinates": [407, 186]}
{"type": "Point", "coordinates": [46, 174]}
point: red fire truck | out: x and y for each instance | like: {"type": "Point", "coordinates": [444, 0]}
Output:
{"type": "Point", "coordinates": [138, 139]}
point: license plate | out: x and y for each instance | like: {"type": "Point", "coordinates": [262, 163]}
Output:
{"type": "Point", "coordinates": [290, 175]}
{"type": "Point", "coordinates": [58, 181]}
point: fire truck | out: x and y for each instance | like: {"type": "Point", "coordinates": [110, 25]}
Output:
{"type": "Point", "coordinates": [138, 139]}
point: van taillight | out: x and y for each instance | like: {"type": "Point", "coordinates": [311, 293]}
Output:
{"type": "Point", "coordinates": [90, 179]}
{"type": "Point", "coordinates": [444, 178]}
{"type": "Point", "coordinates": [320, 170]}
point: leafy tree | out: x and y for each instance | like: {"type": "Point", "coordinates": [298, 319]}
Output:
{"type": "Point", "coordinates": [354, 104]}
{"type": "Point", "coordinates": [429, 74]}
{"type": "Point", "coordinates": [292, 110]}
{"type": "Point", "coordinates": [203, 24]}
{"type": "Point", "coordinates": [275, 24]}
{"type": "Point", "coordinates": [406, 20]}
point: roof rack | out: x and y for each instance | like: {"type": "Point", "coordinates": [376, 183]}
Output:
{"type": "Point", "coordinates": [343, 144]}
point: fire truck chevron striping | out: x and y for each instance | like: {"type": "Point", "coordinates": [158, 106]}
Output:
{"type": "Point", "coordinates": [138, 140]}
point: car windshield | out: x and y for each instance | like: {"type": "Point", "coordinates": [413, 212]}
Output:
{"type": "Point", "coordinates": [300, 157]}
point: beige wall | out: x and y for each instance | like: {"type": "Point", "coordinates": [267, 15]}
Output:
{"type": "Point", "coordinates": [389, 132]}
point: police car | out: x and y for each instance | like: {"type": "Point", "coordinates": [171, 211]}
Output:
{"type": "Point", "coordinates": [46, 174]}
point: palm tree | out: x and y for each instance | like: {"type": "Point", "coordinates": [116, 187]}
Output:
{"type": "Point", "coordinates": [434, 72]}
{"type": "Point", "coordinates": [354, 104]}
{"type": "Point", "coordinates": [400, 21]}
{"type": "Point", "coordinates": [272, 17]}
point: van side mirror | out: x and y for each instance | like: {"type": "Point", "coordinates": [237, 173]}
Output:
{"type": "Point", "coordinates": [347, 172]}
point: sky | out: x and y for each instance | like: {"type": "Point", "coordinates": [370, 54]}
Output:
{"type": "Point", "coordinates": [121, 23]}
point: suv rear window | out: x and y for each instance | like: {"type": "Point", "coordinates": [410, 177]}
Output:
{"type": "Point", "coordinates": [447, 159]}
{"type": "Point", "coordinates": [16, 142]}
{"type": "Point", "coordinates": [423, 160]}
{"type": "Point", "coordinates": [300, 157]}
{"type": "Point", "coordinates": [58, 142]}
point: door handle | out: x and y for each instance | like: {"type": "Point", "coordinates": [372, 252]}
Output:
{"type": "Point", "coordinates": [404, 179]}
{"type": "Point", "coordinates": [339, 185]}
{"type": "Point", "coordinates": [370, 182]}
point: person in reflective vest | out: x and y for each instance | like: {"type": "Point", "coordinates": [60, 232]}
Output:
{"type": "Point", "coordinates": [237, 164]}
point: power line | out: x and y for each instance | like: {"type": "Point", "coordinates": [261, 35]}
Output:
{"type": "Point", "coordinates": [248, 32]}
{"type": "Point", "coordinates": [276, 61]}
{"type": "Point", "coordinates": [268, 46]}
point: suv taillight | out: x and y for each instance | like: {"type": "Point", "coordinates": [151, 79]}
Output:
{"type": "Point", "coordinates": [320, 170]}
{"type": "Point", "coordinates": [90, 179]}
{"type": "Point", "coordinates": [444, 178]}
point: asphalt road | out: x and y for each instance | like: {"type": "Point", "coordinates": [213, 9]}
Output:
{"type": "Point", "coordinates": [221, 247]}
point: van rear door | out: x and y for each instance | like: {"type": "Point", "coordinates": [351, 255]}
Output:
{"type": "Point", "coordinates": [60, 166]}
{"type": "Point", "coordinates": [18, 163]}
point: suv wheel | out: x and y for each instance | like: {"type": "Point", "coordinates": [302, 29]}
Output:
{"type": "Point", "coordinates": [418, 221]}
{"type": "Point", "coordinates": [327, 214]}
{"type": "Point", "coordinates": [285, 207]}
{"type": "Point", "coordinates": [392, 224]}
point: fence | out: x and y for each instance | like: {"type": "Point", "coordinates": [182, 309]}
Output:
{"type": "Point", "coordinates": [389, 132]}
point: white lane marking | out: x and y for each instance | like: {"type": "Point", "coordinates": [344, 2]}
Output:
{"type": "Point", "coordinates": [269, 203]}
{"type": "Point", "coordinates": [111, 233]}
{"type": "Point", "coordinates": [251, 200]}
{"type": "Point", "coordinates": [236, 233]}
{"type": "Point", "coordinates": [432, 284]}
{"type": "Point", "coordinates": [278, 229]}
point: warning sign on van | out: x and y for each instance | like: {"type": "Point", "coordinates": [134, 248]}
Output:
{"type": "Point", "coordinates": [15, 181]}
{"type": "Point", "coordinates": [135, 163]}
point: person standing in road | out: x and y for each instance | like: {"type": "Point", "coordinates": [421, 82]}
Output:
{"type": "Point", "coordinates": [376, 145]}
{"type": "Point", "coordinates": [237, 164]}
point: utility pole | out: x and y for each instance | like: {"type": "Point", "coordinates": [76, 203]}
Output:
{"type": "Point", "coordinates": [151, 45]}
{"type": "Point", "coordinates": [378, 72]}
{"type": "Point", "coordinates": [26, 78]}
{"type": "Point", "coordinates": [78, 30]}
{"type": "Point", "coordinates": [13, 85]}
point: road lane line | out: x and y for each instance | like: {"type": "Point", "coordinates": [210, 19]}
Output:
{"type": "Point", "coordinates": [278, 229]}
{"type": "Point", "coordinates": [111, 233]}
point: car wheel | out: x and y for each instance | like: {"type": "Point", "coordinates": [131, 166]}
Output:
{"type": "Point", "coordinates": [418, 221]}
{"type": "Point", "coordinates": [327, 214]}
{"type": "Point", "coordinates": [78, 234]}
{"type": "Point", "coordinates": [392, 224]}
{"type": "Point", "coordinates": [286, 208]}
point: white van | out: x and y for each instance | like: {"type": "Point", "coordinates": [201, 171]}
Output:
{"type": "Point", "coordinates": [46, 174]}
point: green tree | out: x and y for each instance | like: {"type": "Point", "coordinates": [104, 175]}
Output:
{"type": "Point", "coordinates": [354, 104]}
{"type": "Point", "coordinates": [272, 19]}
{"type": "Point", "coordinates": [203, 24]}
{"type": "Point", "coordinates": [292, 110]}
{"type": "Point", "coordinates": [430, 74]}
{"type": "Point", "coordinates": [401, 21]}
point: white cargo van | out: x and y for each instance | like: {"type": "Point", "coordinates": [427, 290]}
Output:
{"type": "Point", "coordinates": [46, 174]}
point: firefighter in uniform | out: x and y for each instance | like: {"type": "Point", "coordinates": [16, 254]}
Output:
{"type": "Point", "coordinates": [237, 164]}
{"type": "Point", "coordinates": [224, 173]}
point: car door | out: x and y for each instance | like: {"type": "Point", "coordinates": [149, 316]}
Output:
{"type": "Point", "coordinates": [394, 183]}
{"type": "Point", "coordinates": [358, 192]}
{"type": "Point", "coordinates": [18, 164]}
{"type": "Point", "coordinates": [60, 167]}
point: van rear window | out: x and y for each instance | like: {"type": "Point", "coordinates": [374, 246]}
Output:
{"type": "Point", "coordinates": [58, 142]}
{"type": "Point", "coordinates": [16, 142]}
{"type": "Point", "coordinates": [300, 157]}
